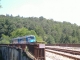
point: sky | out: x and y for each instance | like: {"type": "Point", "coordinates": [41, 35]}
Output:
{"type": "Point", "coordinates": [58, 10]}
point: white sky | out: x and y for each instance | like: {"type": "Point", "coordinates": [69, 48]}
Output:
{"type": "Point", "coordinates": [59, 10]}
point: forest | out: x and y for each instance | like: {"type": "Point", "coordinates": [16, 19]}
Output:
{"type": "Point", "coordinates": [45, 30]}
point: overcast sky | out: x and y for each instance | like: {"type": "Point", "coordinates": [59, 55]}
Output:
{"type": "Point", "coordinates": [59, 10]}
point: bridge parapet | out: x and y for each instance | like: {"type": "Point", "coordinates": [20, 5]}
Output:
{"type": "Point", "coordinates": [13, 53]}
{"type": "Point", "coordinates": [36, 49]}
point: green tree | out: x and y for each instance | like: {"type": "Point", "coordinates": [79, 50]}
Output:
{"type": "Point", "coordinates": [67, 39]}
{"type": "Point", "coordinates": [50, 40]}
{"type": "Point", "coordinates": [0, 4]}
{"type": "Point", "coordinates": [62, 32]}
{"type": "Point", "coordinates": [4, 39]}
{"type": "Point", "coordinates": [20, 32]}
{"type": "Point", "coordinates": [23, 31]}
{"type": "Point", "coordinates": [74, 33]}
{"type": "Point", "coordinates": [62, 40]}
{"type": "Point", "coordinates": [75, 40]}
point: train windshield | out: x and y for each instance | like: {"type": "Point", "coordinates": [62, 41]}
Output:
{"type": "Point", "coordinates": [31, 37]}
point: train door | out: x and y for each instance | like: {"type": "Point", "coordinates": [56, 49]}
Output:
{"type": "Point", "coordinates": [26, 39]}
{"type": "Point", "coordinates": [19, 40]}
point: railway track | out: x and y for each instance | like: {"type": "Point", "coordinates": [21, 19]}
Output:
{"type": "Point", "coordinates": [73, 54]}
{"type": "Point", "coordinates": [65, 50]}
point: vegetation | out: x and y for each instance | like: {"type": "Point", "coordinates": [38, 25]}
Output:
{"type": "Point", "coordinates": [0, 5]}
{"type": "Point", "coordinates": [44, 29]}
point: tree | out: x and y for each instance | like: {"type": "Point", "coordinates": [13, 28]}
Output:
{"type": "Point", "coordinates": [20, 32]}
{"type": "Point", "coordinates": [75, 40]}
{"type": "Point", "coordinates": [74, 33]}
{"type": "Point", "coordinates": [50, 40]}
{"type": "Point", "coordinates": [67, 39]}
{"type": "Point", "coordinates": [62, 39]}
{"type": "Point", "coordinates": [44, 29]}
{"type": "Point", "coordinates": [4, 39]}
{"type": "Point", "coordinates": [41, 17]}
{"type": "Point", "coordinates": [39, 30]}
{"type": "Point", "coordinates": [24, 31]}
{"type": "Point", "coordinates": [0, 5]}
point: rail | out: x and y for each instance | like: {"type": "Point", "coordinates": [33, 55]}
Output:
{"type": "Point", "coordinates": [62, 54]}
{"type": "Point", "coordinates": [65, 50]}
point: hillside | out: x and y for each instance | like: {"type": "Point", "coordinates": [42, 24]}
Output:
{"type": "Point", "coordinates": [47, 30]}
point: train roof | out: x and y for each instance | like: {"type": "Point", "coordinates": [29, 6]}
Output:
{"type": "Point", "coordinates": [28, 36]}
{"type": "Point", "coordinates": [23, 37]}
{"type": "Point", "coordinates": [17, 38]}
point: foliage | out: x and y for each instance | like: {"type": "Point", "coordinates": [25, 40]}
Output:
{"type": "Point", "coordinates": [24, 31]}
{"type": "Point", "coordinates": [50, 40]}
{"type": "Point", "coordinates": [44, 29]}
{"type": "Point", "coordinates": [5, 39]}
{"type": "Point", "coordinates": [0, 5]}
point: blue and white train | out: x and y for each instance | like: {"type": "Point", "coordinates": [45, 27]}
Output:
{"type": "Point", "coordinates": [24, 39]}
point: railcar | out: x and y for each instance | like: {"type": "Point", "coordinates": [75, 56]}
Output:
{"type": "Point", "coordinates": [24, 39]}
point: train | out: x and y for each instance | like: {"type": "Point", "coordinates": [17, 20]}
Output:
{"type": "Point", "coordinates": [24, 39]}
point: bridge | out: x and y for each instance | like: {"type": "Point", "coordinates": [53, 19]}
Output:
{"type": "Point", "coordinates": [40, 51]}
{"type": "Point", "coordinates": [29, 51]}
